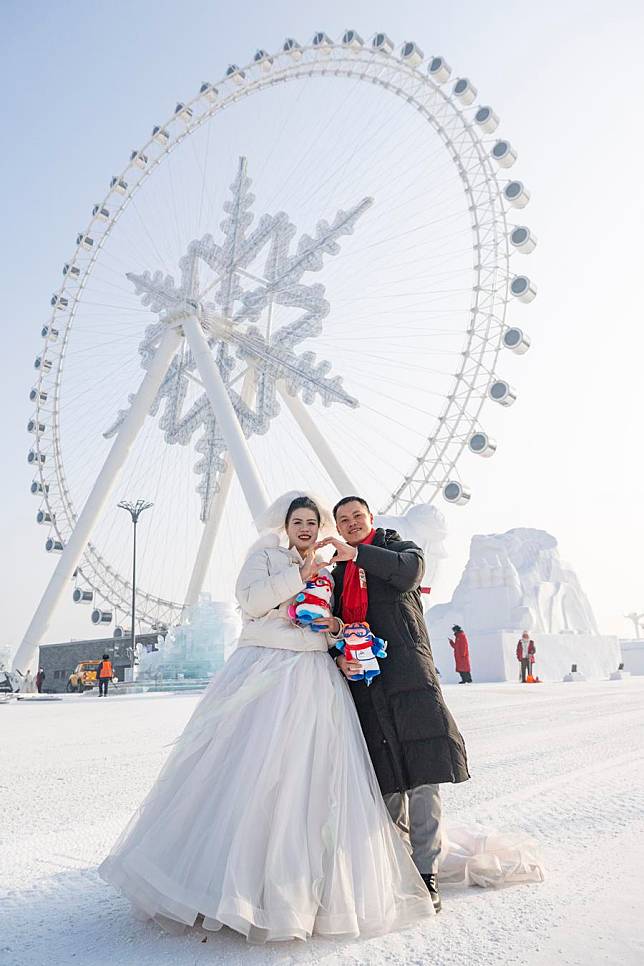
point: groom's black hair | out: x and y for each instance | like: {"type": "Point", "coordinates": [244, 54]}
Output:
{"type": "Point", "coordinates": [349, 499]}
{"type": "Point", "coordinates": [302, 503]}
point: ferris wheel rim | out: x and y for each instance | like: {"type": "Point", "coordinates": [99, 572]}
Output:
{"type": "Point", "coordinates": [345, 63]}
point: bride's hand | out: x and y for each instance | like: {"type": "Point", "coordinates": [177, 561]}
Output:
{"type": "Point", "coordinates": [310, 567]}
{"type": "Point", "coordinates": [327, 625]}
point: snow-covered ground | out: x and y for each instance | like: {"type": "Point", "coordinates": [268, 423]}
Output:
{"type": "Point", "coordinates": [564, 761]}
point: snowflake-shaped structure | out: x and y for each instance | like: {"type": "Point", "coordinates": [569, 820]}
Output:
{"type": "Point", "coordinates": [238, 300]}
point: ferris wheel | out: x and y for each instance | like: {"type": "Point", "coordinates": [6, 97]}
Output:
{"type": "Point", "coordinates": [301, 279]}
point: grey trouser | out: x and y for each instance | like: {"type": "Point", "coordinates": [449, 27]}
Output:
{"type": "Point", "coordinates": [417, 813]}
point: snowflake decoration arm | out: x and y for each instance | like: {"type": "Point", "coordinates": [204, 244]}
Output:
{"type": "Point", "coordinates": [231, 316]}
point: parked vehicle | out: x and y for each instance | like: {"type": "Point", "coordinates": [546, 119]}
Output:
{"type": "Point", "coordinates": [83, 677]}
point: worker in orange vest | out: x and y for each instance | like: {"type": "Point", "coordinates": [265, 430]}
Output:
{"type": "Point", "coordinates": [104, 674]}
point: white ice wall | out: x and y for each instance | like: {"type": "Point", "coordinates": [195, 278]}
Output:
{"type": "Point", "coordinates": [493, 655]}
{"type": "Point", "coordinates": [633, 656]}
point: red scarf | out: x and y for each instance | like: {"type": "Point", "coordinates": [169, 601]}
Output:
{"type": "Point", "coordinates": [355, 597]}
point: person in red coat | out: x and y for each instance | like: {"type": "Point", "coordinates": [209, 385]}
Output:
{"type": "Point", "coordinates": [461, 654]}
{"type": "Point", "coordinates": [525, 655]}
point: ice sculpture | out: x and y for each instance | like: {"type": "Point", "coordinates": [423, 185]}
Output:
{"type": "Point", "coordinates": [517, 580]}
{"type": "Point", "coordinates": [426, 526]}
{"type": "Point", "coordinates": [197, 647]}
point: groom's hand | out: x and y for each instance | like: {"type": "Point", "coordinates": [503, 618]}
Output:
{"type": "Point", "coordinates": [343, 551]}
{"type": "Point", "coordinates": [347, 667]}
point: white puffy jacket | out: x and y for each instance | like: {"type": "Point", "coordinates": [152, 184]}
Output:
{"type": "Point", "coordinates": [267, 583]}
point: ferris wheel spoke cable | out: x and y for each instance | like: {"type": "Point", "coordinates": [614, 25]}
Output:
{"type": "Point", "coordinates": [203, 193]}
{"type": "Point", "coordinates": [290, 183]}
{"type": "Point", "coordinates": [145, 237]}
{"type": "Point", "coordinates": [146, 233]}
{"type": "Point", "coordinates": [383, 170]}
{"type": "Point", "coordinates": [410, 248]}
{"type": "Point", "coordinates": [282, 123]}
{"type": "Point", "coordinates": [158, 233]}
{"type": "Point", "coordinates": [407, 367]}
{"type": "Point", "coordinates": [382, 214]}
{"type": "Point", "coordinates": [375, 454]}
{"type": "Point", "coordinates": [362, 142]}
{"type": "Point", "coordinates": [404, 234]}
{"type": "Point", "coordinates": [108, 380]}
{"type": "Point", "coordinates": [339, 177]}
{"type": "Point", "coordinates": [351, 443]}
{"type": "Point", "coordinates": [384, 165]}
{"type": "Point", "coordinates": [159, 258]}
{"type": "Point", "coordinates": [437, 258]}
{"type": "Point", "coordinates": [180, 234]}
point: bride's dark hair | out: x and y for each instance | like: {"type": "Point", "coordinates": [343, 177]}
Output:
{"type": "Point", "coordinates": [302, 503]}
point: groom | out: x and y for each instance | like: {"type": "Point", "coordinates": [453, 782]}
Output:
{"type": "Point", "coordinates": [412, 738]}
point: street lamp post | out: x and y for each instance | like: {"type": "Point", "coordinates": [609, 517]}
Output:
{"type": "Point", "coordinates": [135, 510]}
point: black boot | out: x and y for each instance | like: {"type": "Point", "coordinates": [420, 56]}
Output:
{"type": "Point", "coordinates": [431, 881]}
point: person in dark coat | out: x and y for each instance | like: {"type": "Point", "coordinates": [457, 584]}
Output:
{"type": "Point", "coordinates": [411, 736]}
{"type": "Point", "coordinates": [40, 679]}
{"type": "Point", "coordinates": [526, 651]}
{"type": "Point", "coordinates": [461, 650]}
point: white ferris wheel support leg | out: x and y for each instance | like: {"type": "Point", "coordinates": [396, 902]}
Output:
{"type": "Point", "coordinates": [238, 449]}
{"type": "Point", "coordinates": [99, 494]}
{"type": "Point", "coordinates": [211, 527]}
{"type": "Point", "coordinates": [318, 443]}
{"type": "Point", "coordinates": [208, 537]}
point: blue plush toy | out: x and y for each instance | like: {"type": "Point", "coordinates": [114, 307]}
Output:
{"type": "Point", "coordinates": [313, 602]}
{"type": "Point", "coordinates": [360, 644]}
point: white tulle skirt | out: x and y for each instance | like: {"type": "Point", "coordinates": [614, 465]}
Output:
{"type": "Point", "coordinates": [267, 816]}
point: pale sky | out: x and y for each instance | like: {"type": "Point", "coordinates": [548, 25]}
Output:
{"type": "Point", "coordinates": [83, 84]}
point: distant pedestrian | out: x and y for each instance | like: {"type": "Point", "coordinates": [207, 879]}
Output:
{"type": "Point", "coordinates": [28, 685]}
{"type": "Point", "coordinates": [104, 674]}
{"type": "Point", "coordinates": [461, 650]}
{"type": "Point", "coordinates": [525, 655]}
{"type": "Point", "coordinates": [40, 679]}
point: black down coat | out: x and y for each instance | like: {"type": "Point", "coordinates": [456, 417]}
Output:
{"type": "Point", "coordinates": [411, 736]}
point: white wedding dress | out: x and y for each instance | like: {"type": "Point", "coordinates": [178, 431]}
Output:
{"type": "Point", "coordinates": [267, 816]}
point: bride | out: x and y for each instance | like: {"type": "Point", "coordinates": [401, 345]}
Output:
{"type": "Point", "coordinates": [267, 816]}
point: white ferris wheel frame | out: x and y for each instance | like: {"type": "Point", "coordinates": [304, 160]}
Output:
{"type": "Point", "coordinates": [450, 114]}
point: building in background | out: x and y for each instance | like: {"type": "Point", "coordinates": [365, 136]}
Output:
{"type": "Point", "coordinates": [59, 660]}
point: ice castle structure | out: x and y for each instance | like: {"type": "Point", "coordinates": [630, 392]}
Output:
{"type": "Point", "coordinates": [196, 648]}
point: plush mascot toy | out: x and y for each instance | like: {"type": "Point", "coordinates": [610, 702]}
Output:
{"type": "Point", "coordinates": [359, 644]}
{"type": "Point", "coordinates": [314, 601]}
